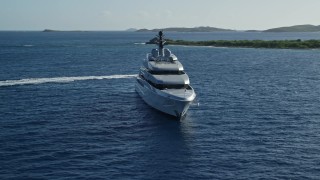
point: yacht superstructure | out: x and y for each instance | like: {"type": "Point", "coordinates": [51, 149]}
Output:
{"type": "Point", "coordinates": [162, 82]}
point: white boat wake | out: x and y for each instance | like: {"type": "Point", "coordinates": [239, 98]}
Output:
{"type": "Point", "coordinates": [60, 79]}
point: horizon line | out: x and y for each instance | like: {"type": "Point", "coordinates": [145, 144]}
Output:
{"type": "Point", "coordinates": [135, 29]}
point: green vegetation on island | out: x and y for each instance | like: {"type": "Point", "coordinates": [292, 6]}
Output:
{"type": "Point", "coordinates": [276, 44]}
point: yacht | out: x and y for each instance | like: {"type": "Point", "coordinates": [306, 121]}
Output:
{"type": "Point", "coordinates": [162, 82]}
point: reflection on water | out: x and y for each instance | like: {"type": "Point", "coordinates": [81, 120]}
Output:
{"type": "Point", "coordinates": [166, 144]}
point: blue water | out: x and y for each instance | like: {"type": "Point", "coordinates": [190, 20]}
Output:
{"type": "Point", "coordinates": [69, 110]}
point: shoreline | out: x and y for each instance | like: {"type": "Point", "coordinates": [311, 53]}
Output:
{"type": "Point", "coordinates": [272, 44]}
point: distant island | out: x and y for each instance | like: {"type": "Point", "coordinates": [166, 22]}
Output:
{"type": "Point", "coordinates": [182, 29]}
{"type": "Point", "coordinates": [276, 44]}
{"type": "Point", "coordinates": [296, 28]}
{"type": "Point", "coordinates": [51, 30]}
{"type": "Point", "coordinates": [131, 30]}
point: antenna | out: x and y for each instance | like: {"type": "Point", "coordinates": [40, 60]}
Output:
{"type": "Point", "coordinates": [161, 43]}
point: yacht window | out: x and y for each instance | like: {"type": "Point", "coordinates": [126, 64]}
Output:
{"type": "Point", "coordinates": [174, 86]}
{"type": "Point", "coordinates": [170, 86]}
{"type": "Point", "coordinates": [167, 86]}
{"type": "Point", "coordinates": [167, 72]}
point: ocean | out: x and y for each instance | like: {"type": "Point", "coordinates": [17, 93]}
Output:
{"type": "Point", "coordinates": [68, 109]}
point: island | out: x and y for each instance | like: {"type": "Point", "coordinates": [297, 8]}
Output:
{"type": "Point", "coordinates": [183, 29]}
{"type": "Point", "coordinates": [275, 44]}
{"type": "Point", "coordinates": [131, 30]}
{"type": "Point", "coordinates": [51, 30]}
{"type": "Point", "coordinates": [297, 28]}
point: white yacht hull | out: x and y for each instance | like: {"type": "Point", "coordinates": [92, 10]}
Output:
{"type": "Point", "coordinates": [162, 102]}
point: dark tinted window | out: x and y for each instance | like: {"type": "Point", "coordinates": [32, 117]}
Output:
{"type": "Point", "coordinates": [167, 86]}
{"type": "Point", "coordinates": [167, 72]}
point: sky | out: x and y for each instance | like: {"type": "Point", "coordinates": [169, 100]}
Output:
{"type": "Point", "coordinates": [124, 14]}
